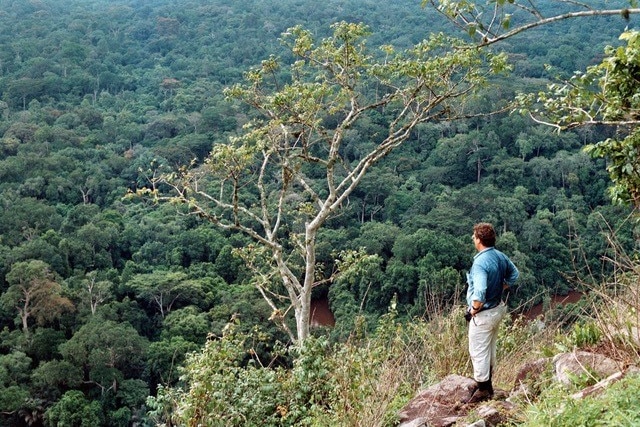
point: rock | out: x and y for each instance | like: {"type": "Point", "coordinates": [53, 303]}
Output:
{"type": "Point", "coordinates": [439, 405]}
{"type": "Point", "coordinates": [581, 363]}
{"type": "Point", "coordinates": [495, 413]}
{"type": "Point", "coordinates": [604, 384]}
{"type": "Point", "coordinates": [418, 422]}
{"type": "Point", "coordinates": [528, 377]}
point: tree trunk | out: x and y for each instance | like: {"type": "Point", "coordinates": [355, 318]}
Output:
{"type": "Point", "coordinates": [25, 311]}
{"type": "Point", "coordinates": [303, 310]}
{"type": "Point", "coordinates": [24, 316]}
{"type": "Point", "coordinates": [303, 315]}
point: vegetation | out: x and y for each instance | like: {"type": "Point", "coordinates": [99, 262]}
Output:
{"type": "Point", "coordinates": [294, 153]}
{"type": "Point", "coordinates": [367, 379]}
{"type": "Point", "coordinates": [491, 21]}
{"type": "Point", "coordinates": [114, 308]}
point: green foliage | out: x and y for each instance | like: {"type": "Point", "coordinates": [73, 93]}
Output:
{"type": "Point", "coordinates": [221, 392]}
{"type": "Point", "coordinates": [107, 351]}
{"type": "Point", "coordinates": [616, 406]}
{"type": "Point", "coordinates": [96, 102]}
{"type": "Point", "coordinates": [13, 398]}
{"type": "Point", "coordinates": [622, 166]}
{"type": "Point", "coordinates": [584, 334]}
{"type": "Point", "coordinates": [74, 410]}
{"type": "Point", "coordinates": [165, 357]}
{"type": "Point", "coordinates": [186, 322]}
{"type": "Point", "coordinates": [361, 382]}
{"type": "Point", "coordinates": [55, 377]}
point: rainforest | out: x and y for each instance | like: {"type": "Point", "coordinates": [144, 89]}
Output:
{"type": "Point", "coordinates": [114, 277]}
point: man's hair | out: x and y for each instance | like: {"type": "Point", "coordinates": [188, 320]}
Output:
{"type": "Point", "coordinates": [485, 232]}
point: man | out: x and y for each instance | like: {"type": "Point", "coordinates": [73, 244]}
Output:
{"type": "Point", "coordinates": [491, 273]}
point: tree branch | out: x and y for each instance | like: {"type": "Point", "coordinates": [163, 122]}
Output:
{"type": "Point", "coordinates": [486, 41]}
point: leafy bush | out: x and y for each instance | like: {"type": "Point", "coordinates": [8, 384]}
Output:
{"type": "Point", "coordinates": [585, 334]}
{"type": "Point", "coordinates": [221, 391]}
{"type": "Point", "coordinates": [362, 382]}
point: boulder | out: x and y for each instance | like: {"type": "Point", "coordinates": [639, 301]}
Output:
{"type": "Point", "coordinates": [439, 405]}
{"type": "Point", "coordinates": [529, 376]}
{"type": "Point", "coordinates": [581, 363]}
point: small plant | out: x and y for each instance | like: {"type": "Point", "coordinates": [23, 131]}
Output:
{"type": "Point", "coordinates": [584, 334]}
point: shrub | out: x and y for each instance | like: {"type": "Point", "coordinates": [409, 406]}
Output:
{"type": "Point", "coordinates": [362, 382]}
{"type": "Point", "coordinates": [220, 390]}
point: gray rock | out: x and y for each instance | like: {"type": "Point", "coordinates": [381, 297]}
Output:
{"type": "Point", "coordinates": [530, 375]}
{"type": "Point", "coordinates": [581, 363]}
{"type": "Point", "coordinates": [441, 404]}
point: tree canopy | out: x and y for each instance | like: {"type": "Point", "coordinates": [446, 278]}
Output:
{"type": "Point", "coordinates": [338, 154]}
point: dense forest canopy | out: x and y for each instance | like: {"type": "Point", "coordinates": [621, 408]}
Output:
{"type": "Point", "coordinates": [104, 294]}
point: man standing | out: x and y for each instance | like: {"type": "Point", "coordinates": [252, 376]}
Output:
{"type": "Point", "coordinates": [491, 273]}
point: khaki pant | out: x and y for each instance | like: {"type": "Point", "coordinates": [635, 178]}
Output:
{"type": "Point", "coordinates": [483, 337]}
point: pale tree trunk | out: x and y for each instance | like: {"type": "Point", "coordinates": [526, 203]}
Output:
{"type": "Point", "coordinates": [303, 312]}
{"type": "Point", "coordinates": [299, 294]}
{"type": "Point", "coordinates": [25, 310]}
{"type": "Point", "coordinates": [24, 316]}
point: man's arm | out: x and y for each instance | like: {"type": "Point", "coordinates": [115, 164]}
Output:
{"type": "Point", "coordinates": [479, 296]}
{"type": "Point", "coordinates": [512, 274]}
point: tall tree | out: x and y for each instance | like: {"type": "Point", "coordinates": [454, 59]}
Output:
{"type": "Point", "coordinates": [108, 353]}
{"type": "Point", "coordinates": [285, 176]}
{"type": "Point", "coordinates": [34, 292]}
{"type": "Point", "coordinates": [164, 289]}
{"type": "Point", "coordinates": [95, 291]}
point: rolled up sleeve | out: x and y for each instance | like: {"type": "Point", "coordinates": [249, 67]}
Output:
{"type": "Point", "coordinates": [479, 289]}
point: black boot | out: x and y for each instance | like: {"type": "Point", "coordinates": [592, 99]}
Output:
{"type": "Point", "coordinates": [483, 392]}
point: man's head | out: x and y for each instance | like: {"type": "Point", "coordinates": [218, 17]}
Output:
{"type": "Point", "coordinates": [485, 234]}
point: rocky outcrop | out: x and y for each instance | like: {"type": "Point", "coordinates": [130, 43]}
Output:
{"type": "Point", "coordinates": [441, 405]}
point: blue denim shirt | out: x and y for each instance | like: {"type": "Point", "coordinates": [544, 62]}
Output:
{"type": "Point", "coordinates": [490, 270]}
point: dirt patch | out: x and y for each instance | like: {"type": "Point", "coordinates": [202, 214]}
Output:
{"type": "Point", "coordinates": [321, 314]}
{"type": "Point", "coordinates": [537, 310]}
